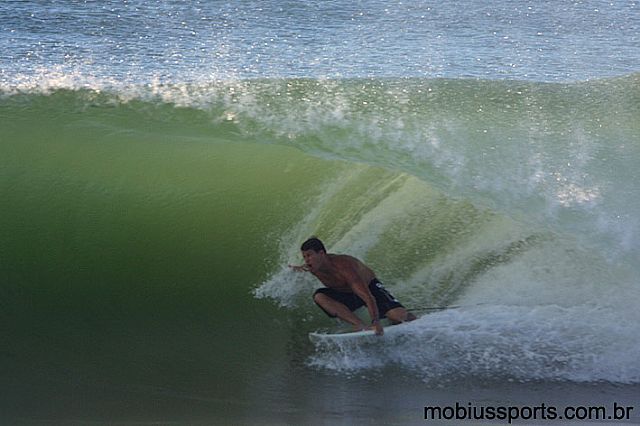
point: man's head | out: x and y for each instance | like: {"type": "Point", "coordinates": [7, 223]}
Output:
{"type": "Point", "coordinates": [314, 253]}
{"type": "Point", "coordinates": [314, 244]}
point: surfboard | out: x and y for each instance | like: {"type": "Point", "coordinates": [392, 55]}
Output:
{"type": "Point", "coordinates": [345, 336]}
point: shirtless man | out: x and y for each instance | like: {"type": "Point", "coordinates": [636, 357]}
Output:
{"type": "Point", "coordinates": [350, 284]}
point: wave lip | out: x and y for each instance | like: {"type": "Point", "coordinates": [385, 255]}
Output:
{"type": "Point", "coordinates": [560, 155]}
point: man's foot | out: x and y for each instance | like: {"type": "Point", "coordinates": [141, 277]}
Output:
{"type": "Point", "coordinates": [400, 315]}
{"type": "Point", "coordinates": [362, 327]}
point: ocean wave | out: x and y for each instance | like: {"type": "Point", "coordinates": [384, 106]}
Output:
{"type": "Point", "coordinates": [516, 195]}
{"type": "Point", "coordinates": [560, 155]}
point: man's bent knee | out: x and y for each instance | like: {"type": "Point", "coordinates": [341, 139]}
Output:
{"type": "Point", "coordinates": [320, 298]}
{"type": "Point", "coordinates": [324, 302]}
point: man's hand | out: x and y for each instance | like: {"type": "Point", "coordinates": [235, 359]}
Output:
{"type": "Point", "coordinates": [299, 268]}
{"type": "Point", "coordinates": [378, 328]}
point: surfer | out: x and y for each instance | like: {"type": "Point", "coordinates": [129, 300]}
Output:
{"type": "Point", "coordinates": [349, 285]}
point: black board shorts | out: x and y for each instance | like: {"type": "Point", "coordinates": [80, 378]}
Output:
{"type": "Point", "coordinates": [384, 299]}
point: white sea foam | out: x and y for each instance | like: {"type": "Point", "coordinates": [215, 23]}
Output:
{"type": "Point", "coordinates": [582, 343]}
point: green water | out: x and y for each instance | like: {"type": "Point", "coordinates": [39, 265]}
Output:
{"type": "Point", "coordinates": [144, 246]}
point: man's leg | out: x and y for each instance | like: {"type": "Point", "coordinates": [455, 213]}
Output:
{"type": "Point", "coordinates": [335, 308]}
{"type": "Point", "coordinates": [398, 315]}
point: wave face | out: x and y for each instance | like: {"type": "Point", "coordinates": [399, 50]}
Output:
{"type": "Point", "coordinates": [173, 204]}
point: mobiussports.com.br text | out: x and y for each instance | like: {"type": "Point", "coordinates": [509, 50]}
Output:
{"type": "Point", "coordinates": [509, 414]}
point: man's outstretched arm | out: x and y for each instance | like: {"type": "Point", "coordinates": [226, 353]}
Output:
{"type": "Point", "coordinates": [299, 268]}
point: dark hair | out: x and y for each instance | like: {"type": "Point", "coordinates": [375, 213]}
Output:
{"type": "Point", "coordinates": [314, 244]}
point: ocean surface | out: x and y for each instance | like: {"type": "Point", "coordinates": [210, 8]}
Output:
{"type": "Point", "coordinates": [162, 161]}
